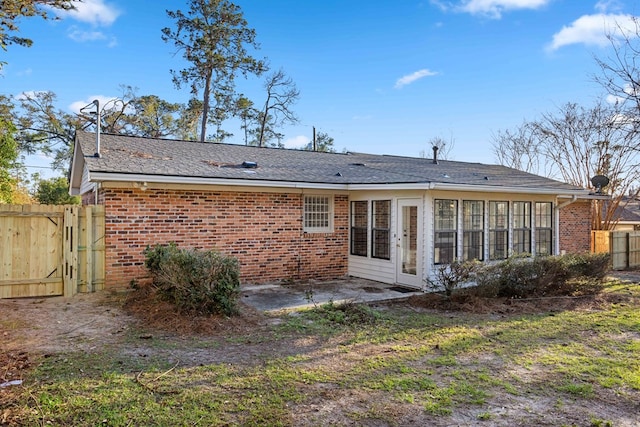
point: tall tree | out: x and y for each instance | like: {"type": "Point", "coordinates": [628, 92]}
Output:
{"type": "Point", "coordinates": [620, 71]}
{"type": "Point", "coordinates": [213, 37]}
{"type": "Point", "coordinates": [190, 115]}
{"type": "Point", "coordinates": [576, 143]}
{"type": "Point", "coordinates": [324, 143]}
{"type": "Point", "coordinates": [12, 10]}
{"type": "Point", "coordinates": [152, 117]}
{"type": "Point", "coordinates": [444, 147]}
{"type": "Point", "coordinates": [41, 126]}
{"type": "Point", "coordinates": [518, 148]}
{"type": "Point", "coordinates": [54, 191]}
{"type": "Point", "coordinates": [247, 114]}
{"type": "Point", "coordinates": [8, 155]}
{"type": "Point", "coordinates": [282, 93]}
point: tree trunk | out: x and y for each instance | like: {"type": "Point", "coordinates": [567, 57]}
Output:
{"type": "Point", "coordinates": [263, 125]}
{"type": "Point", "coordinates": [205, 106]}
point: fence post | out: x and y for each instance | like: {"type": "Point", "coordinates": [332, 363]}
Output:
{"type": "Point", "coordinates": [70, 250]}
{"type": "Point", "coordinates": [88, 226]}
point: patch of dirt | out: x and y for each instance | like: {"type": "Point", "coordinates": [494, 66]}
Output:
{"type": "Point", "coordinates": [474, 304]}
{"type": "Point", "coordinates": [35, 328]}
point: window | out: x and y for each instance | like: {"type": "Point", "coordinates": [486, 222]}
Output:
{"type": "Point", "coordinates": [472, 230]}
{"type": "Point", "coordinates": [521, 227]}
{"type": "Point", "coordinates": [544, 228]}
{"type": "Point", "coordinates": [446, 231]}
{"type": "Point", "coordinates": [318, 216]}
{"type": "Point", "coordinates": [498, 230]}
{"type": "Point", "coordinates": [359, 230]}
{"type": "Point", "coordinates": [380, 231]}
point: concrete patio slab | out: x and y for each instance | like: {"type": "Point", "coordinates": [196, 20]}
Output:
{"type": "Point", "coordinates": [307, 294]}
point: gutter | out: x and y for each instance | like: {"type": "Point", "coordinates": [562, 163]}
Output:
{"type": "Point", "coordinates": [574, 198]}
{"type": "Point", "coordinates": [164, 179]}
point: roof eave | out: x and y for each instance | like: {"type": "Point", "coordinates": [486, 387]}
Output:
{"type": "Point", "coordinates": [77, 164]}
{"type": "Point", "coordinates": [170, 179]}
{"type": "Point", "coordinates": [508, 189]}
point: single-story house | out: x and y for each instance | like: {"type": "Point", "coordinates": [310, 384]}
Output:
{"type": "Point", "coordinates": [293, 214]}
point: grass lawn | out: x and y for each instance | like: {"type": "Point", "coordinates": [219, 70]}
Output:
{"type": "Point", "coordinates": [504, 363]}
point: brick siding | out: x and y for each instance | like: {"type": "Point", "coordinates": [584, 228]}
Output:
{"type": "Point", "coordinates": [575, 227]}
{"type": "Point", "coordinates": [263, 230]}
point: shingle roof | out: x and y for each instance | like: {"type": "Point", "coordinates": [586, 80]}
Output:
{"type": "Point", "coordinates": [169, 158]}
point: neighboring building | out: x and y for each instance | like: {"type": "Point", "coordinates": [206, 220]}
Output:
{"type": "Point", "coordinates": [292, 214]}
{"type": "Point", "coordinates": [626, 215]}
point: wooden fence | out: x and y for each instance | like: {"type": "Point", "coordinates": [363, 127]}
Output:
{"type": "Point", "coordinates": [48, 250]}
{"type": "Point", "coordinates": [624, 247]}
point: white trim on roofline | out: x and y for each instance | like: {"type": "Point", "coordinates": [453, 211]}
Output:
{"type": "Point", "coordinates": [164, 179]}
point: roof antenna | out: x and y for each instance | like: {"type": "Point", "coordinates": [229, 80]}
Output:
{"type": "Point", "coordinates": [435, 155]}
{"type": "Point", "coordinates": [98, 120]}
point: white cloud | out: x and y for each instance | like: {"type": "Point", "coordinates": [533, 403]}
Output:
{"type": "Point", "coordinates": [28, 94]}
{"type": "Point", "coordinates": [604, 6]}
{"type": "Point", "coordinates": [95, 12]}
{"type": "Point", "coordinates": [491, 8]}
{"type": "Point", "coordinates": [25, 72]}
{"type": "Point", "coordinates": [495, 8]}
{"type": "Point", "coordinates": [613, 99]}
{"type": "Point", "coordinates": [410, 78]}
{"type": "Point", "coordinates": [79, 35]}
{"type": "Point", "coordinates": [296, 142]}
{"type": "Point", "coordinates": [592, 30]}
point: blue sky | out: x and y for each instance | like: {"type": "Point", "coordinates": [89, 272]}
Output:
{"type": "Point", "coordinates": [379, 77]}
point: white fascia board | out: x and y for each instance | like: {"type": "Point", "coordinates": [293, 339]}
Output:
{"type": "Point", "coordinates": [111, 177]}
{"type": "Point", "coordinates": [402, 186]}
{"type": "Point", "coordinates": [77, 163]}
{"type": "Point", "coordinates": [162, 179]}
{"type": "Point", "coordinates": [507, 189]}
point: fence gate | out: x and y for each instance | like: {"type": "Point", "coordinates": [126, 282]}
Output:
{"type": "Point", "coordinates": [48, 250]}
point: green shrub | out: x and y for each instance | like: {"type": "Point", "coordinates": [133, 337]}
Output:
{"type": "Point", "coordinates": [522, 277]}
{"type": "Point", "coordinates": [593, 266]}
{"type": "Point", "coordinates": [196, 281]}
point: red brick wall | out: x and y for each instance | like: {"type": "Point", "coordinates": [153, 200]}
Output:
{"type": "Point", "coordinates": [262, 230]}
{"type": "Point", "coordinates": [575, 227]}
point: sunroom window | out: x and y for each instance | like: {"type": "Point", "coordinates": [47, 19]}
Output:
{"type": "Point", "coordinates": [498, 230]}
{"type": "Point", "coordinates": [544, 228]}
{"type": "Point", "coordinates": [446, 231]}
{"type": "Point", "coordinates": [359, 230]}
{"type": "Point", "coordinates": [381, 229]}
{"type": "Point", "coordinates": [472, 230]}
{"type": "Point", "coordinates": [521, 227]}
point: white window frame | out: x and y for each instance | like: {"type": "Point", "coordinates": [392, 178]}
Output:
{"type": "Point", "coordinates": [307, 201]}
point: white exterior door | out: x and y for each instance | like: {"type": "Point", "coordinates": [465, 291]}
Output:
{"type": "Point", "coordinates": [409, 242]}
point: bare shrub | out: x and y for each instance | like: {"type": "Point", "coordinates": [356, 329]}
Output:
{"type": "Point", "coordinates": [195, 281]}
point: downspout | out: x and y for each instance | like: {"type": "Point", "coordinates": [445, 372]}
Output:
{"type": "Point", "coordinates": [567, 203]}
{"type": "Point", "coordinates": [574, 198]}
{"type": "Point", "coordinates": [97, 188]}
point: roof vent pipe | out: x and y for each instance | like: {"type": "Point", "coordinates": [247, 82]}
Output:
{"type": "Point", "coordinates": [435, 155]}
{"type": "Point", "coordinates": [98, 120]}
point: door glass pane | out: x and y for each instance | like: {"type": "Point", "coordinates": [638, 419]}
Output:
{"type": "Point", "coordinates": [409, 239]}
